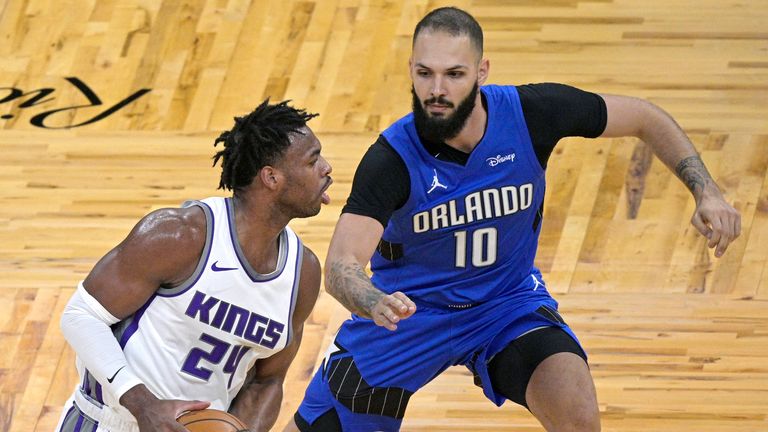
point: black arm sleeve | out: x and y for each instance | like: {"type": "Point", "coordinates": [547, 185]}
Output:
{"type": "Point", "coordinates": [381, 184]}
{"type": "Point", "coordinates": [555, 111]}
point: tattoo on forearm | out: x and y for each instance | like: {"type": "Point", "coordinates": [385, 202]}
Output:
{"type": "Point", "coordinates": [693, 173]}
{"type": "Point", "coordinates": [351, 286]}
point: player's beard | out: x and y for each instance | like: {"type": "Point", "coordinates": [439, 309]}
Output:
{"type": "Point", "coordinates": [440, 129]}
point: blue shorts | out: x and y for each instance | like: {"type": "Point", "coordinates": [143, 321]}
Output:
{"type": "Point", "coordinates": [370, 373]}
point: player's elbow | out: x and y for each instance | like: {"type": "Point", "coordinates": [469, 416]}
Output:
{"type": "Point", "coordinates": [628, 116]}
{"type": "Point", "coordinates": [71, 319]}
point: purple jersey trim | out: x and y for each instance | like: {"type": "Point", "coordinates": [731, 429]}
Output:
{"type": "Point", "coordinates": [79, 423]}
{"type": "Point", "coordinates": [134, 325]}
{"type": "Point", "coordinates": [64, 422]}
{"type": "Point", "coordinates": [99, 396]}
{"type": "Point", "coordinates": [92, 387]}
{"type": "Point", "coordinates": [200, 269]}
{"type": "Point", "coordinates": [295, 289]}
{"type": "Point", "coordinates": [86, 382]}
{"type": "Point", "coordinates": [255, 277]}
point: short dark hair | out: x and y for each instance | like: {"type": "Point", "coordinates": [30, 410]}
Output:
{"type": "Point", "coordinates": [453, 21]}
{"type": "Point", "coordinates": [257, 140]}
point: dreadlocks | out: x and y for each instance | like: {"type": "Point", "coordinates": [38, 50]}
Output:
{"type": "Point", "coordinates": [257, 139]}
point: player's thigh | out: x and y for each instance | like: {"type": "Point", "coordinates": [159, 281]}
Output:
{"type": "Point", "coordinates": [327, 422]}
{"type": "Point", "coordinates": [561, 394]}
{"type": "Point", "coordinates": [546, 371]}
{"type": "Point", "coordinates": [511, 369]}
{"type": "Point", "coordinates": [340, 398]}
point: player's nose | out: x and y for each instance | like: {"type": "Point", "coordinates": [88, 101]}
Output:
{"type": "Point", "coordinates": [437, 89]}
{"type": "Point", "coordinates": [327, 168]}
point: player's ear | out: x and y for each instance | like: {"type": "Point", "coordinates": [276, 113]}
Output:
{"type": "Point", "coordinates": [482, 71]}
{"type": "Point", "coordinates": [270, 177]}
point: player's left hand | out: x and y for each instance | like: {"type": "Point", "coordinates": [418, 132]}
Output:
{"type": "Point", "coordinates": [716, 220]}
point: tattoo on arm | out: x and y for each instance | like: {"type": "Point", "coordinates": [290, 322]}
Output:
{"type": "Point", "coordinates": [351, 286]}
{"type": "Point", "coordinates": [693, 173]}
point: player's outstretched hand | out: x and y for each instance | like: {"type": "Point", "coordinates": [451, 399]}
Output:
{"type": "Point", "coordinates": [718, 221]}
{"type": "Point", "coordinates": [391, 309]}
{"type": "Point", "coordinates": [153, 414]}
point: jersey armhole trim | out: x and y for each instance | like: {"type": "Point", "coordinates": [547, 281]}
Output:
{"type": "Point", "coordinates": [296, 287]}
{"type": "Point", "coordinates": [187, 284]}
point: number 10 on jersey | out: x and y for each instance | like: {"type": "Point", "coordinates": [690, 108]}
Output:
{"type": "Point", "coordinates": [483, 246]}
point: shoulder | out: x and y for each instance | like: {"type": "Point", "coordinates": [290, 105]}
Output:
{"type": "Point", "coordinates": [162, 249]}
{"type": "Point", "coordinates": [563, 110]}
{"type": "Point", "coordinates": [310, 264]}
{"type": "Point", "coordinates": [169, 240]}
{"type": "Point", "coordinates": [186, 226]}
{"type": "Point", "coordinates": [542, 93]}
{"type": "Point", "coordinates": [382, 154]}
{"type": "Point", "coordinates": [547, 95]}
{"type": "Point", "coordinates": [381, 183]}
{"type": "Point", "coordinates": [500, 93]}
{"type": "Point", "coordinates": [381, 161]}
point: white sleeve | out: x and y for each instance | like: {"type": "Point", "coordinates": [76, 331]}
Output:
{"type": "Point", "coordinates": [85, 324]}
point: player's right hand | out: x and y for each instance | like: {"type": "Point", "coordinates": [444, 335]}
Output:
{"type": "Point", "coordinates": [153, 414]}
{"type": "Point", "coordinates": [162, 415]}
{"type": "Point", "coordinates": [391, 309]}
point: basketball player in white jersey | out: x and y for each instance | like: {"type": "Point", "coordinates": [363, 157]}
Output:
{"type": "Point", "coordinates": [204, 305]}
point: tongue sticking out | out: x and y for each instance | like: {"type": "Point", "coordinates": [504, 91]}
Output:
{"type": "Point", "coordinates": [325, 198]}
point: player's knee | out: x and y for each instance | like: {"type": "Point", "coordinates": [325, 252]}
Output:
{"type": "Point", "coordinates": [583, 420]}
{"type": "Point", "coordinates": [291, 427]}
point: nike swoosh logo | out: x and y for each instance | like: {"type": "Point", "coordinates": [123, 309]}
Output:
{"type": "Point", "coordinates": [216, 268]}
{"type": "Point", "coordinates": [113, 376]}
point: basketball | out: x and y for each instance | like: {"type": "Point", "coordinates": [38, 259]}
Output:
{"type": "Point", "coordinates": [211, 420]}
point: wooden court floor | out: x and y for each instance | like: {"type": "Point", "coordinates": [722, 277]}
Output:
{"type": "Point", "coordinates": [108, 109]}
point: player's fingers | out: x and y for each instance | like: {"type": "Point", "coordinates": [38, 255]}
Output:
{"type": "Point", "coordinates": [195, 405]}
{"type": "Point", "coordinates": [387, 324]}
{"type": "Point", "coordinates": [177, 428]}
{"type": "Point", "coordinates": [182, 406]}
{"type": "Point", "coordinates": [385, 317]}
{"type": "Point", "coordinates": [700, 225]}
{"type": "Point", "coordinates": [732, 219]}
{"type": "Point", "coordinates": [726, 238]}
{"type": "Point", "coordinates": [397, 306]}
{"type": "Point", "coordinates": [394, 303]}
{"type": "Point", "coordinates": [716, 233]}
{"type": "Point", "coordinates": [722, 246]}
{"type": "Point", "coordinates": [408, 306]}
{"type": "Point", "coordinates": [172, 426]}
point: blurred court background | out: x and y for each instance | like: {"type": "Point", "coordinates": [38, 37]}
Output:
{"type": "Point", "coordinates": [109, 108]}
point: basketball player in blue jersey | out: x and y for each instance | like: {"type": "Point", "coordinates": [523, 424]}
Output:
{"type": "Point", "coordinates": [204, 305]}
{"type": "Point", "coordinates": [447, 206]}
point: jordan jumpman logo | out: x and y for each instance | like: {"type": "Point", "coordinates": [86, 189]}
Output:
{"type": "Point", "coordinates": [436, 183]}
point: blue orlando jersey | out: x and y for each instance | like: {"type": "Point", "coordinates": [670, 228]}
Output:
{"type": "Point", "coordinates": [468, 233]}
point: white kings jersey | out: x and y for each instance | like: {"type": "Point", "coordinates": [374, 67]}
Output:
{"type": "Point", "coordinates": [198, 340]}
